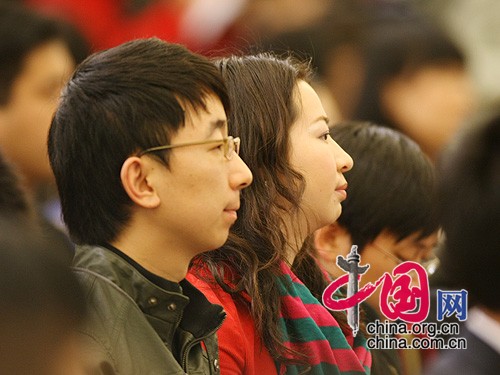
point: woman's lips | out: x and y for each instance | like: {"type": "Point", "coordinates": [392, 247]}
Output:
{"type": "Point", "coordinates": [342, 191]}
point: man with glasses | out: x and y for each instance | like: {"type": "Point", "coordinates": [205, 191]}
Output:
{"type": "Point", "coordinates": [148, 179]}
{"type": "Point", "coordinates": [388, 214]}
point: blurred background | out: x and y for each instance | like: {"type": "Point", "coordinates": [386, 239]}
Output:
{"type": "Point", "coordinates": [419, 66]}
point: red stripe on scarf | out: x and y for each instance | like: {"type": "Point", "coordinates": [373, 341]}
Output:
{"type": "Point", "coordinates": [320, 351]}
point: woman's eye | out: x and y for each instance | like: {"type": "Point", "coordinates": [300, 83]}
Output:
{"type": "Point", "coordinates": [325, 136]}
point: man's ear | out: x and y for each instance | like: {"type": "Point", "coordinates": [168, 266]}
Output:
{"type": "Point", "coordinates": [135, 177]}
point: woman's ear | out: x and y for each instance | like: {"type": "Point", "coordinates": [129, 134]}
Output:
{"type": "Point", "coordinates": [135, 177]}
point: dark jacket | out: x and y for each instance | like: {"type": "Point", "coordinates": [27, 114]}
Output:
{"type": "Point", "coordinates": [142, 324]}
{"type": "Point", "coordinates": [478, 359]}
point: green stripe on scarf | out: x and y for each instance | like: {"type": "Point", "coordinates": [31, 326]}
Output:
{"type": "Point", "coordinates": [317, 333]}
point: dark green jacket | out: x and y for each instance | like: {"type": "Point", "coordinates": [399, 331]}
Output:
{"type": "Point", "coordinates": [141, 324]}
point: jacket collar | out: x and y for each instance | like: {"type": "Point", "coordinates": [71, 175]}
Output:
{"type": "Point", "coordinates": [180, 304]}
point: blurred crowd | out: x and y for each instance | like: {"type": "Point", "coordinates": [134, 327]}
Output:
{"type": "Point", "coordinates": [410, 78]}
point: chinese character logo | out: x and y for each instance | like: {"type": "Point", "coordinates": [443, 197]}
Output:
{"type": "Point", "coordinates": [401, 297]}
{"type": "Point", "coordinates": [350, 265]}
{"type": "Point", "coordinates": [451, 303]}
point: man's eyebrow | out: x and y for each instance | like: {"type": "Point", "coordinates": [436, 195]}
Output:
{"type": "Point", "coordinates": [215, 125]}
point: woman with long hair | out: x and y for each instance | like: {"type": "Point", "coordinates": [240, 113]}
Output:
{"type": "Point", "coordinates": [265, 277]}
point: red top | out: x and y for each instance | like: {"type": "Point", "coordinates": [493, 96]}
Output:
{"type": "Point", "coordinates": [106, 24]}
{"type": "Point", "coordinates": [240, 348]}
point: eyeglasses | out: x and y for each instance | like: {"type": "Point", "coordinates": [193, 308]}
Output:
{"type": "Point", "coordinates": [430, 264]}
{"type": "Point", "coordinates": [231, 146]}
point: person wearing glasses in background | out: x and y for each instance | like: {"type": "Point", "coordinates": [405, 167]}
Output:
{"type": "Point", "coordinates": [148, 178]}
{"type": "Point", "coordinates": [389, 214]}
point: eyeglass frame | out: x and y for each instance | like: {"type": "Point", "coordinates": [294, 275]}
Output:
{"type": "Point", "coordinates": [235, 141]}
{"type": "Point", "coordinates": [430, 265]}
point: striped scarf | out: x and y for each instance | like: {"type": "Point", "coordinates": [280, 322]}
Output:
{"type": "Point", "coordinates": [308, 327]}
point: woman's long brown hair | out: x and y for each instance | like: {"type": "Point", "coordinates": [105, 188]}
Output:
{"type": "Point", "coordinates": [262, 89]}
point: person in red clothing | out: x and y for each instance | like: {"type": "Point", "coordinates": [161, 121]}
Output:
{"type": "Point", "coordinates": [109, 23]}
{"type": "Point", "coordinates": [264, 277]}
{"type": "Point", "coordinates": [200, 25]}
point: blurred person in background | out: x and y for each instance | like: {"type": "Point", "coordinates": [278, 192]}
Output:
{"type": "Point", "coordinates": [415, 80]}
{"type": "Point", "coordinates": [389, 214]}
{"type": "Point", "coordinates": [42, 303]}
{"type": "Point", "coordinates": [200, 25]}
{"type": "Point", "coordinates": [469, 202]}
{"type": "Point", "coordinates": [389, 63]}
{"type": "Point", "coordinates": [13, 198]}
{"type": "Point", "coordinates": [265, 19]}
{"type": "Point", "coordinates": [474, 27]}
{"type": "Point", "coordinates": [333, 43]}
{"type": "Point", "coordinates": [37, 55]}
{"type": "Point", "coordinates": [204, 26]}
